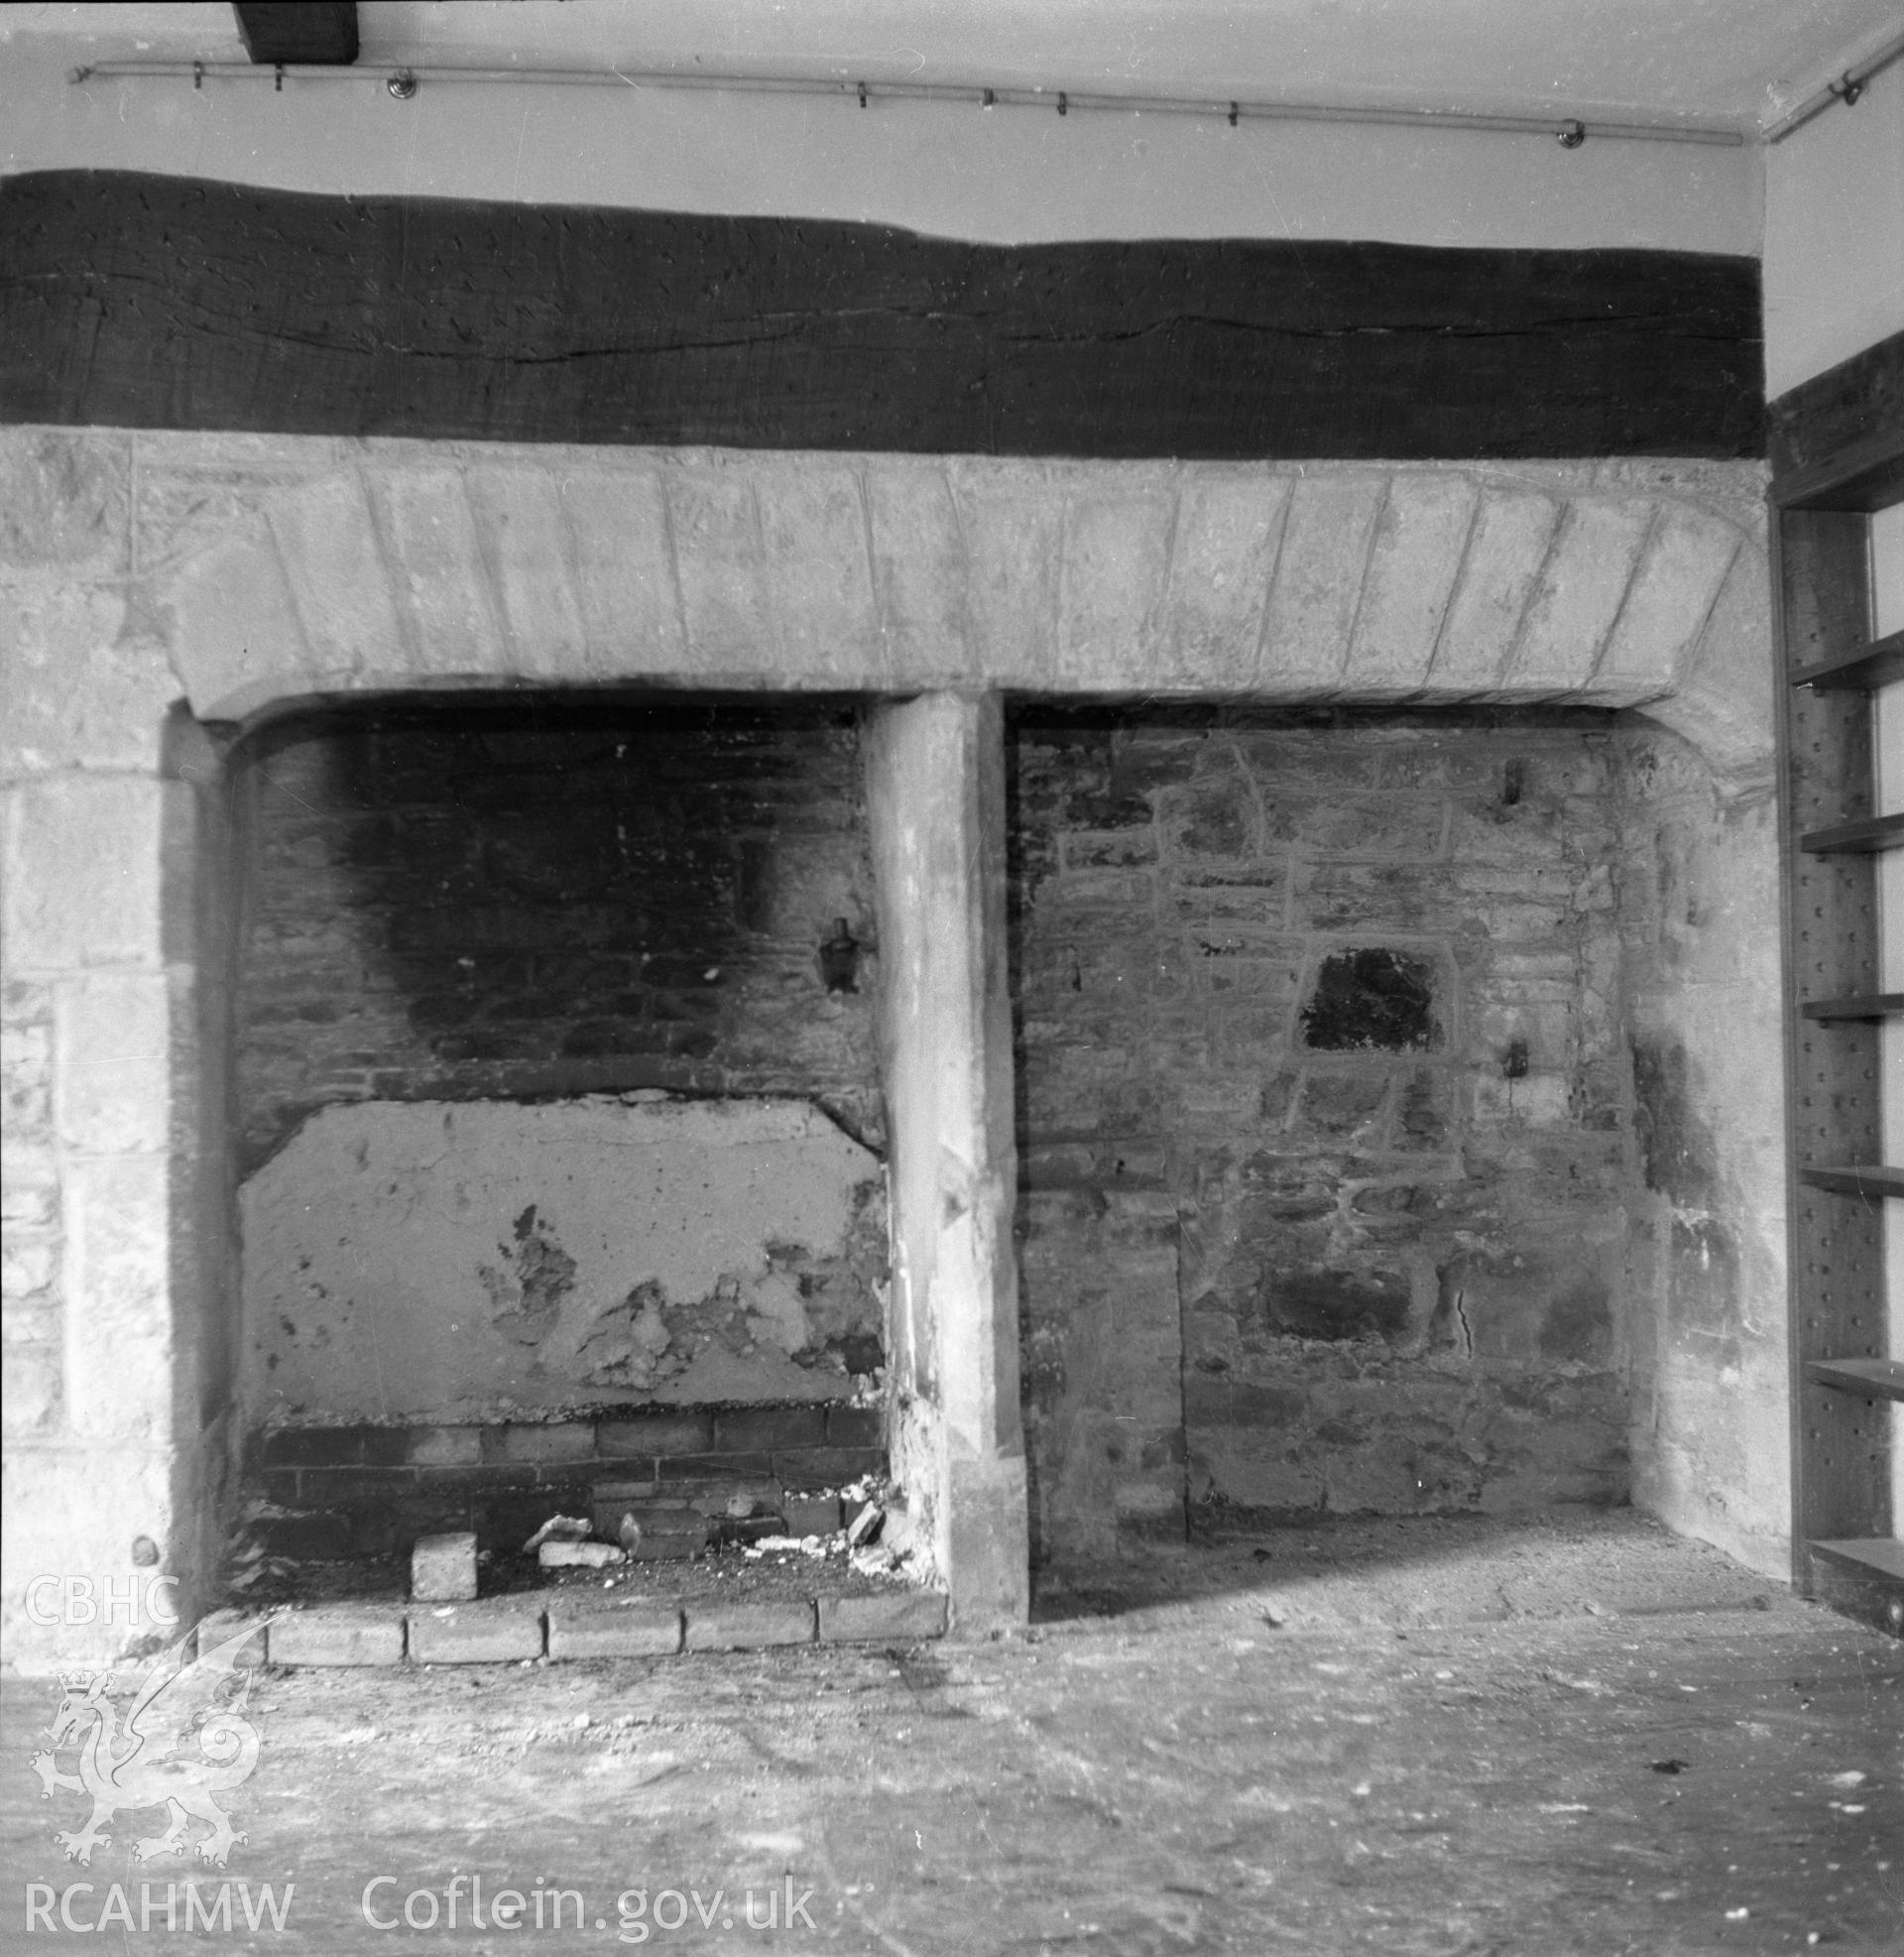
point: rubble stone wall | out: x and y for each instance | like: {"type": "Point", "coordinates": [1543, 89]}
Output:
{"type": "Point", "coordinates": [1699, 921]}
{"type": "Point", "coordinates": [1330, 1146]}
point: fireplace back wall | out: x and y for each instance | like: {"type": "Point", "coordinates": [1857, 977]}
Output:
{"type": "Point", "coordinates": [637, 939]}
{"type": "Point", "coordinates": [1329, 1111]}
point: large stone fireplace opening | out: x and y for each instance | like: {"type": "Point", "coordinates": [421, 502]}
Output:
{"type": "Point", "coordinates": [562, 1134]}
{"type": "Point", "coordinates": [607, 945]}
{"type": "Point", "coordinates": [563, 1138]}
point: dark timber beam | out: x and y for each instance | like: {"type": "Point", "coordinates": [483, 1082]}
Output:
{"type": "Point", "coordinates": [155, 301]}
{"type": "Point", "coordinates": [308, 33]}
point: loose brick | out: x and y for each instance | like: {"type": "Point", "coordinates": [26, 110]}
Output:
{"type": "Point", "coordinates": [638, 1628]}
{"type": "Point", "coordinates": [496, 1631]}
{"type": "Point", "coordinates": [713, 1626]}
{"type": "Point", "coordinates": [442, 1569]}
{"type": "Point", "coordinates": [339, 1634]}
{"type": "Point", "coordinates": [811, 1515]}
{"type": "Point", "coordinates": [658, 1549]}
{"type": "Point", "coordinates": [744, 1528]}
{"type": "Point", "coordinates": [887, 1616]}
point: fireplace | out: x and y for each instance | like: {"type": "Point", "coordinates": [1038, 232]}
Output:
{"type": "Point", "coordinates": [562, 1138]}
{"type": "Point", "coordinates": [1344, 1118]}
{"type": "Point", "coordinates": [1316, 920]}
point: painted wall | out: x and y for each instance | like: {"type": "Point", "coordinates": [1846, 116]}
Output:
{"type": "Point", "coordinates": [1834, 253]}
{"type": "Point", "coordinates": [1007, 175]}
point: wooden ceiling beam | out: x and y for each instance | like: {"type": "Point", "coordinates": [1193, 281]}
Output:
{"type": "Point", "coordinates": [307, 33]}
{"type": "Point", "coordinates": [133, 300]}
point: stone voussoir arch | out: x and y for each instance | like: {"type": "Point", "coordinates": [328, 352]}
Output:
{"type": "Point", "coordinates": [297, 567]}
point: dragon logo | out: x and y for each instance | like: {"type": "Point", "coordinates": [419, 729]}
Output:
{"type": "Point", "coordinates": [183, 1741]}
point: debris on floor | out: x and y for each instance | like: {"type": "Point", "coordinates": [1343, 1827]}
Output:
{"type": "Point", "coordinates": [580, 1555]}
{"type": "Point", "coordinates": [1407, 1768]}
{"type": "Point", "coordinates": [442, 1569]}
{"type": "Point", "coordinates": [558, 1528]}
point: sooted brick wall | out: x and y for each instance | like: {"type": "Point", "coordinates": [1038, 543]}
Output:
{"type": "Point", "coordinates": [547, 898]}
{"type": "Point", "coordinates": [1325, 1112]}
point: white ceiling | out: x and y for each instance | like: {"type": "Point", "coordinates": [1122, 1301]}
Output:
{"type": "Point", "coordinates": [1743, 60]}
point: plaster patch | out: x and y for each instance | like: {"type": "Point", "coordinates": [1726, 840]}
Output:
{"type": "Point", "coordinates": [476, 1261]}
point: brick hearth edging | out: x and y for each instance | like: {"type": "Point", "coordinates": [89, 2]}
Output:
{"type": "Point", "coordinates": [513, 1630]}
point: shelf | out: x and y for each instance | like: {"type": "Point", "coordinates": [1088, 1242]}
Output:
{"type": "Point", "coordinates": [1870, 667]}
{"type": "Point", "coordinates": [1856, 1180]}
{"type": "Point", "coordinates": [1881, 1555]}
{"type": "Point", "coordinates": [1855, 1006]}
{"type": "Point", "coordinates": [1864, 839]}
{"type": "Point", "coordinates": [1876, 1379]}
{"type": "Point", "coordinates": [1865, 475]}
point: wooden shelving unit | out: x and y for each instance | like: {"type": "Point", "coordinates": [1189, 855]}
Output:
{"type": "Point", "coordinates": [1875, 664]}
{"type": "Point", "coordinates": [1873, 1184]}
{"type": "Point", "coordinates": [1868, 836]}
{"type": "Point", "coordinates": [1859, 1005]}
{"type": "Point", "coordinates": [1876, 1378]}
{"type": "Point", "coordinates": [1837, 455]}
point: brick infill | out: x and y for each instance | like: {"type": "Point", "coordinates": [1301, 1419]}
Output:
{"type": "Point", "coordinates": [561, 1626]}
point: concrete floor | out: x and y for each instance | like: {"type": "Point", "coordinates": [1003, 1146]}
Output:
{"type": "Point", "coordinates": [1453, 1737]}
